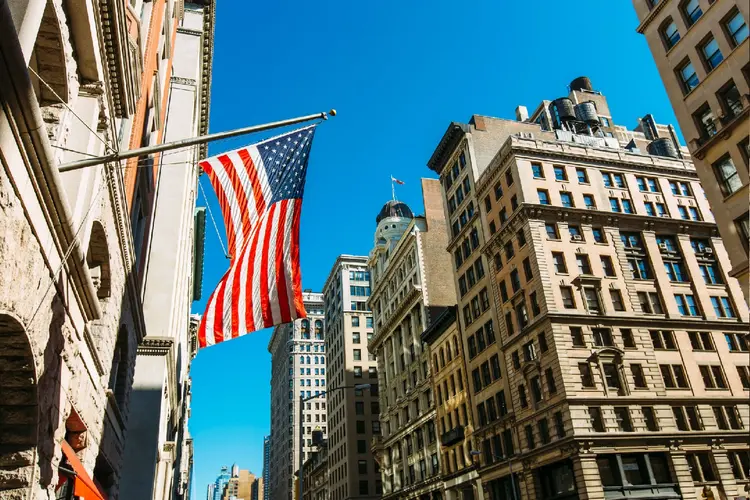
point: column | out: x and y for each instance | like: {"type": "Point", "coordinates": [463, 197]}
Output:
{"type": "Point", "coordinates": [27, 17]}
{"type": "Point", "coordinates": [588, 482]}
{"type": "Point", "coordinates": [726, 476]}
{"type": "Point", "coordinates": [681, 473]}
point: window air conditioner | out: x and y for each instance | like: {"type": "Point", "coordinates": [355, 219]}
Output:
{"type": "Point", "coordinates": [663, 246]}
{"type": "Point", "coordinates": [576, 237]}
{"type": "Point", "coordinates": [708, 250]}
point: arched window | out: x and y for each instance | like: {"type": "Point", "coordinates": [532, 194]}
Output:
{"type": "Point", "coordinates": [97, 259]}
{"type": "Point", "coordinates": [308, 360]}
{"type": "Point", "coordinates": [305, 328]}
{"type": "Point", "coordinates": [319, 329]}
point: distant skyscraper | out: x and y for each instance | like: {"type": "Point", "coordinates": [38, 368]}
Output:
{"type": "Point", "coordinates": [298, 368]}
{"type": "Point", "coordinates": [217, 489]}
{"type": "Point", "coordinates": [266, 468]}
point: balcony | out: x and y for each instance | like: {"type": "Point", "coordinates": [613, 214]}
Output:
{"type": "Point", "coordinates": [453, 436]}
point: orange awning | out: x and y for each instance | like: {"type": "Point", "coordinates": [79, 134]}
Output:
{"type": "Point", "coordinates": [84, 486]}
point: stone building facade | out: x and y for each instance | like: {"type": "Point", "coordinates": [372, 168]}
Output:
{"type": "Point", "coordinates": [453, 409]}
{"type": "Point", "coordinates": [622, 337]}
{"type": "Point", "coordinates": [70, 304]}
{"type": "Point", "coordinates": [316, 476]}
{"type": "Point", "coordinates": [298, 368]}
{"type": "Point", "coordinates": [701, 49]}
{"type": "Point", "coordinates": [352, 413]}
{"type": "Point", "coordinates": [411, 285]}
{"type": "Point", "coordinates": [158, 453]}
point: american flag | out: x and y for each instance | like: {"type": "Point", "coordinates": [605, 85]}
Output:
{"type": "Point", "coordinates": [260, 193]}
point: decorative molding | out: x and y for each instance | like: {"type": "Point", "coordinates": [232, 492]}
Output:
{"type": "Point", "coordinates": [189, 31]}
{"type": "Point", "coordinates": [183, 81]}
{"type": "Point", "coordinates": [155, 346]}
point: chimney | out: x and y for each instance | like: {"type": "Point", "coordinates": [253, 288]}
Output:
{"type": "Point", "coordinates": [522, 114]}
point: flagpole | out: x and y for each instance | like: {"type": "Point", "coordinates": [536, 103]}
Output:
{"type": "Point", "coordinates": [167, 146]}
{"type": "Point", "coordinates": [393, 189]}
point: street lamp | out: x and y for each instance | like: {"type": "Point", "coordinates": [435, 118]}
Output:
{"type": "Point", "coordinates": [302, 401]}
{"type": "Point", "coordinates": [476, 453]}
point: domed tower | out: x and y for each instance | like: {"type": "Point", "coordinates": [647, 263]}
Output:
{"type": "Point", "coordinates": [392, 221]}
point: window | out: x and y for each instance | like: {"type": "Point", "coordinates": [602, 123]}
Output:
{"type": "Point", "coordinates": [713, 376]}
{"type": "Point", "coordinates": [608, 266]}
{"type": "Point", "coordinates": [522, 396]}
{"type": "Point", "coordinates": [688, 78]}
{"type": "Point", "coordinates": [614, 204]}
{"type": "Point", "coordinates": [550, 378]}
{"type": "Point", "coordinates": [739, 460]}
{"type": "Point", "coordinates": [576, 335]}
{"type": "Point", "coordinates": [588, 201]}
{"type": "Point", "coordinates": [705, 121]}
{"type": "Point", "coordinates": [701, 467]}
{"type": "Point", "coordinates": [508, 178]}
{"type": "Point", "coordinates": [674, 376]}
{"type": "Point", "coordinates": [663, 340]}
{"type": "Point", "coordinates": [691, 10]}
{"type": "Point", "coordinates": [661, 210]}
{"type": "Point", "coordinates": [543, 196]}
{"type": "Point", "coordinates": [528, 274]}
{"type": "Point", "coordinates": [587, 377]}
{"type": "Point", "coordinates": [592, 299]}
{"type": "Point", "coordinates": [727, 417]}
{"type": "Point", "coordinates": [616, 297]}
{"type": "Point", "coordinates": [701, 341]}
{"type": "Point", "coordinates": [726, 174]}
{"type": "Point", "coordinates": [560, 173]}
{"type": "Point", "coordinates": [567, 297]}
{"type": "Point", "coordinates": [515, 281]}
{"type": "Point", "coordinates": [595, 417]}
{"type": "Point", "coordinates": [559, 425]}
{"type": "Point", "coordinates": [731, 102]}
{"type": "Point", "coordinates": [742, 224]}
{"type": "Point", "coordinates": [622, 416]}
{"type": "Point", "coordinates": [530, 437]}
{"type": "Point", "coordinates": [575, 233]}
{"type": "Point", "coordinates": [639, 378]}
{"type": "Point", "coordinates": [686, 305]}
{"type": "Point", "coordinates": [711, 54]}
{"type": "Point", "coordinates": [686, 418]}
{"type": "Point", "coordinates": [604, 121]}
{"type": "Point", "coordinates": [649, 417]}
{"type": "Point", "coordinates": [498, 191]}
{"type": "Point", "coordinates": [736, 27]}
{"type": "Point", "coordinates": [603, 337]}
{"type": "Point", "coordinates": [722, 307]}
{"type": "Point", "coordinates": [631, 472]}
{"type": "Point", "coordinates": [735, 341]}
{"type": "Point", "coordinates": [669, 33]}
{"type": "Point", "coordinates": [744, 374]}
{"type": "Point", "coordinates": [582, 176]}
{"type": "Point", "coordinates": [509, 251]}
{"type": "Point", "coordinates": [599, 235]}
{"type": "Point", "coordinates": [537, 170]}
{"type": "Point", "coordinates": [627, 206]}
{"type": "Point", "coordinates": [552, 232]}
{"type": "Point", "coordinates": [503, 291]}
{"type": "Point", "coordinates": [521, 237]}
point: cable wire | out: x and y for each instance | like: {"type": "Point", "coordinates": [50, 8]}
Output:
{"type": "Point", "coordinates": [211, 215]}
{"type": "Point", "coordinates": [71, 110]}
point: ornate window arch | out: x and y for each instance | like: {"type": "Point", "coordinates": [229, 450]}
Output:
{"type": "Point", "coordinates": [97, 259]}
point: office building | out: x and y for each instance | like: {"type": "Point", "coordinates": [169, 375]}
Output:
{"type": "Point", "coordinates": [623, 338]}
{"type": "Point", "coordinates": [453, 409]}
{"type": "Point", "coordinates": [157, 452]}
{"type": "Point", "coordinates": [701, 49]}
{"type": "Point", "coordinates": [316, 476]}
{"type": "Point", "coordinates": [411, 286]}
{"type": "Point", "coordinates": [352, 413]}
{"type": "Point", "coordinates": [266, 465]}
{"type": "Point", "coordinates": [298, 368]}
{"type": "Point", "coordinates": [216, 490]}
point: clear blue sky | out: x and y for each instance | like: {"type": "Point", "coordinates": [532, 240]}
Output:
{"type": "Point", "coordinates": [398, 72]}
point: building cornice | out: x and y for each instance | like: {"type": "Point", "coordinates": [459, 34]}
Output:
{"type": "Point", "coordinates": [408, 301]}
{"type": "Point", "coordinates": [518, 146]}
{"type": "Point", "coordinates": [650, 17]}
{"type": "Point", "coordinates": [155, 346]}
{"type": "Point", "coordinates": [209, 23]}
{"type": "Point", "coordinates": [448, 143]}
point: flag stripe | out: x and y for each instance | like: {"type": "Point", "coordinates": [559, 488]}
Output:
{"type": "Point", "coordinates": [252, 174]}
{"type": "Point", "coordinates": [299, 307]}
{"type": "Point", "coordinates": [239, 193]}
{"type": "Point", "coordinates": [280, 274]}
{"type": "Point", "coordinates": [264, 299]}
{"type": "Point", "coordinates": [223, 202]}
